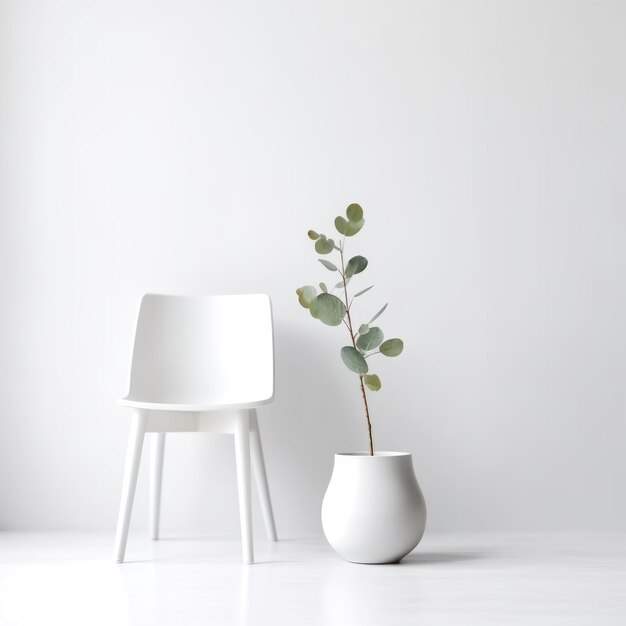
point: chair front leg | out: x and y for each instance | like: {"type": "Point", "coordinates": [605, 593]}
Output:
{"type": "Point", "coordinates": [131, 470]}
{"type": "Point", "coordinates": [242, 455]}
{"type": "Point", "coordinates": [156, 481]}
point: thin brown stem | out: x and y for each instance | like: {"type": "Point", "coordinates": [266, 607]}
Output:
{"type": "Point", "coordinates": [367, 415]}
{"type": "Point", "coordinates": [352, 337]}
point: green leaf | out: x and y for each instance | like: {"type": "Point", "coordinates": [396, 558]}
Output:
{"type": "Point", "coordinates": [306, 295]}
{"type": "Point", "coordinates": [356, 265]}
{"type": "Point", "coordinates": [372, 382]}
{"type": "Point", "coordinates": [313, 235]}
{"type": "Point", "coordinates": [341, 225]}
{"type": "Point", "coordinates": [354, 360]}
{"type": "Point", "coordinates": [354, 213]}
{"type": "Point", "coordinates": [354, 227]}
{"type": "Point", "coordinates": [323, 287]}
{"type": "Point", "coordinates": [313, 308]}
{"type": "Point", "coordinates": [324, 246]}
{"type": "Point", "coordinates": [340, 283]}
{"type": "Point", "coordinates": [371, 339]}
{"type": "Point", "coordinates": [356, 295]}
{"type": "Point", "coordinates": [329, 309]}
{"type": "Point", "coordinates": [363, 328]}
{"type": "Point", "coordinates": [391, 347]}
{"type": "Point", "coordinates": [378, 314]}
{"type": "Point", "coordinates": [328, 265]}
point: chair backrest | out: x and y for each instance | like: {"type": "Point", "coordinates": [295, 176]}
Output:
{"type": "Point", "coordinates": [211, 350]}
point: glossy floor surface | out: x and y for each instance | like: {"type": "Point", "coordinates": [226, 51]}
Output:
{"type": "Point", "coordinates": [450, 579]}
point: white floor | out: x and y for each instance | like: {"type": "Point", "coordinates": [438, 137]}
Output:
{"type": "Point", "coordinates": [450, 579]}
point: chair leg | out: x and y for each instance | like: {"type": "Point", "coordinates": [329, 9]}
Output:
{"type": "Point", "coordinates": [258, 467]}
{"type": "Point", "coordinates": [242, 455]}
{"type": "Point", "coordinates": [156, 480]}
{"type": "Point", "coordinates": [133, 458]}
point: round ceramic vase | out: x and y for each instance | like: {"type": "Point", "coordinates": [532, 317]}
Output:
{"type": "Point", "coordinates": [373, 510]}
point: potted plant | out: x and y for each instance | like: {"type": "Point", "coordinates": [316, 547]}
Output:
{"type": "Point", "coordinates": [373, 510]}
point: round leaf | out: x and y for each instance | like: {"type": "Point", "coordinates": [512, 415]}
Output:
{"type": "Point", "coordinates": [328, 309]}
{"type": "Point", "coordinates": [372, 382]}
{"type": "Point", "coordinates": [363, 328]}
{"type": "Point", "coordinates": [354, 360]}
{"type": "Point", "coordinates": [313, 308]}
{"type": "Point", "coordinates": [306, 295]}
{"type": "Point", "coordinates": [313, 235]}
{"type": "Point", "coordinates": [370, 340]}
{"type": "Point", "coordinates": [341, 225]}
{"type": "Point", "coordinates": [328, 265]}
{"type": "Point", "coordinates": [354, 227]}
{"type": "Point", "coordinates": [354, 213]}
{"type": "Point", "coordinates": [391, 347]}
{"type": "Point", "coordinates": [324, 246]}
{"type": "Point", "coordinates": [356, 265]}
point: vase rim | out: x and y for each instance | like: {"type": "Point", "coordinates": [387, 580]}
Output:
{"type": "Point", "coordinates": [377, 453]}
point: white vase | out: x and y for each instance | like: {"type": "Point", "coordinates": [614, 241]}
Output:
{"type": "Point", "coordinates": [373, 510]}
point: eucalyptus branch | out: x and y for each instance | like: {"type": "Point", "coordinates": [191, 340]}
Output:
{"type": "Point", "coordinates": [331, 310]}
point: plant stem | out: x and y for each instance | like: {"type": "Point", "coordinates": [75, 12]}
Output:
{"type": "Point", "coordinates": [367, 415]}
{"type": "Point", "coordinates": [350, 330]}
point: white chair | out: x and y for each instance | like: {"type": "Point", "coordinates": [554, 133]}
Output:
{"type": "Point", "coordinates": [200, 364]}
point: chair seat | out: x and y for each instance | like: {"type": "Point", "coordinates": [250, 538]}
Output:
{"type": "Point", "coordinates": [137, 403]}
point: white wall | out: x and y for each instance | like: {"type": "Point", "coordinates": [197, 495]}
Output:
{"type": "Point", "coordinates": [188, 146]}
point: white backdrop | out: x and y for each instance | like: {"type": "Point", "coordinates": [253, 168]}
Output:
{"type": "Point", "coordinates": [187, 146]}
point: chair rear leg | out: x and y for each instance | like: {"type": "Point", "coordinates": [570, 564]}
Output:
{"type": "Point", "coordinates": [133, 458]}
{"type": "Point", "coordinates": [258, 467]}
{"type": "Point", "coordinates": [156, 481]}
{"type": "Point", "coordinates": [242, 455]}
